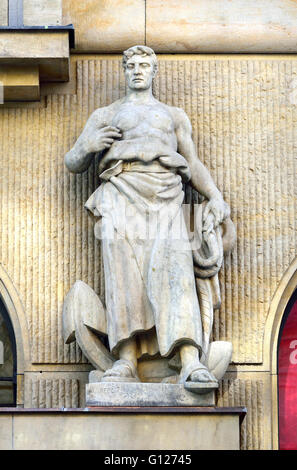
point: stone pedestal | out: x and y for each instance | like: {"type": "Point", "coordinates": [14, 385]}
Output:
{"type": "Point", "coordinates": [120, 428]}
{"type": "Point", "coordinates": [146, 394]}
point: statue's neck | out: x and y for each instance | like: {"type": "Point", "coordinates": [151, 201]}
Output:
{"type": "Point", "coordinates": [139, 96]}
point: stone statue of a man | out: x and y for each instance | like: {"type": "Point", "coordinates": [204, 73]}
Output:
{"type": "Point", "coordinates": [146, 154]}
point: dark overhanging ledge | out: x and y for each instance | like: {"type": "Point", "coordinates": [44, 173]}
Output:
{"type": "Point", "coordinates": [44, 29]}
{"type": "Point", "coordinates": [239, 410]}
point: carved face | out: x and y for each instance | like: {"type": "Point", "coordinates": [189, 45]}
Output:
{"type": "Point", "coordinates": [139, 72]}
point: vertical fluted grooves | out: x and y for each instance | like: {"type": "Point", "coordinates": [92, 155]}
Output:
{"type": "Point", "coordinates": [244, 120]}
{"type": "Point", "coordinates": [250, 394]}
{"type": "Point", "coordinates": [53, 393]}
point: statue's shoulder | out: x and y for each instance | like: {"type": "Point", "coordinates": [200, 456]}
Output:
{"type": "Point", "coordinates": [106, 113]}
{"type": "Point", "coordinates": [179, 116]}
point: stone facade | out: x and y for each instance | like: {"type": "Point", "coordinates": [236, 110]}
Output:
{"type": "Point", "coordinates": [99, 430]}
{"type": "Point", "coordinates": [35, 12]}
{"type": "Point", "coordinates": [184, 26]}
{"type": "Point", "coordinates": [243, 110]}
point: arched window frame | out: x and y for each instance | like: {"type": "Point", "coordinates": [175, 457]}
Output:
{"type": "Point", "coordinates": [286, 287]}
{"type": "Point", "coordinates": [13, 378]}
{"type": "Point", "coordinates": [288, 311]}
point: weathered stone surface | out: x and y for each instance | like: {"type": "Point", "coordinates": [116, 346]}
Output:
{"type": "Point", "coordinates": [83, 314]}
{"type": "Point", "coordinates": [266, 243]}
{"type": "Point", "coordinates": [36, 12]}
{"type": "Point", "coordinates": [219, 358]}
{"type": "Point", "coordinates": [152, 142]}
{"type": "Point", "coordinates": [20, 83]}
{"type": "Point", "coordinates": [234, 135]}
{"type": "Point", "coordinates": [184, 25]}
{"type": "Point", "coordinates": [144, 394]}
{"type": "Point", "coordinates": [106, 26]}
{"type": "Point", "coordinates": [48, 50]}
{"type": "Point", "coordinates": [219, 26]}
{"type": "Point", "coordinates": [55, 389]}
{"type": "Point", "coordinates": [254, 390]}
{"type": "Point", "coordinates": [6, 432]}
{"type": "Point", "coordinates": [3, 12]}
{"type": "Point", "coordinates": [95, 376]}
{"type": "Point", "coordinates": [127, 431]}
{"type": "Point", "coordinates": [42, 12]}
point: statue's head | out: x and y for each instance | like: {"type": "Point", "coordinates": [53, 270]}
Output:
{"type": "Point", "coordinates": [140, 66]}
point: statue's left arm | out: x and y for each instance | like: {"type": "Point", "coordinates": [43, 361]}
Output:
{"type": "Point", "coordinates": [201, 179]}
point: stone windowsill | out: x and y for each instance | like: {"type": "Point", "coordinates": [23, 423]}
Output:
{"type": "Point", "coordinates": [31, 55]}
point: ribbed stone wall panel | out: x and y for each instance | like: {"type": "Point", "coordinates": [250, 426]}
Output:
{"type": "Point", "coordinates": [244, 117]}
{"type": "Point", "coordinates": [248, 393]}
{"type": "Point", "coordinates": [53, 393]}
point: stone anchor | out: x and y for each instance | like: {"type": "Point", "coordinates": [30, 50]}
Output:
{"type": "Point", "coordinates": [161, 282]}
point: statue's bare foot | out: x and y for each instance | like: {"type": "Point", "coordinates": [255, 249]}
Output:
{"type": "Point", "coordinates": [197, 378]}
{"type": "Point", "coordinates": [202, 375]}
{"type": "Point", "coordinates": [121, 371]}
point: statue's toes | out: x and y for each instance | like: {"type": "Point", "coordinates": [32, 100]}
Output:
{"type": "Point", "coordinates": [122, 371]}
{"type": "Point", "coordinates": [202, 375]}
{"type": "Point", "coordinates": [112, 373]}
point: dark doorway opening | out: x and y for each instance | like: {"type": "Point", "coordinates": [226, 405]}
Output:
{"type": "Point", "coordinates": [8, 360]}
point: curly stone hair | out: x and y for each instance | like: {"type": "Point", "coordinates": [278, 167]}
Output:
{"type": "Point", "coordinates": [140, 50]}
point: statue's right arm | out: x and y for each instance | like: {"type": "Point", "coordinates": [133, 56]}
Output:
{"type": "Point", "coordinates": [95, 137]}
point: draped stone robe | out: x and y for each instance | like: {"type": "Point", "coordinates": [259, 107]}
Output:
{"type": "Point", "coordinates": [150, 288]}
